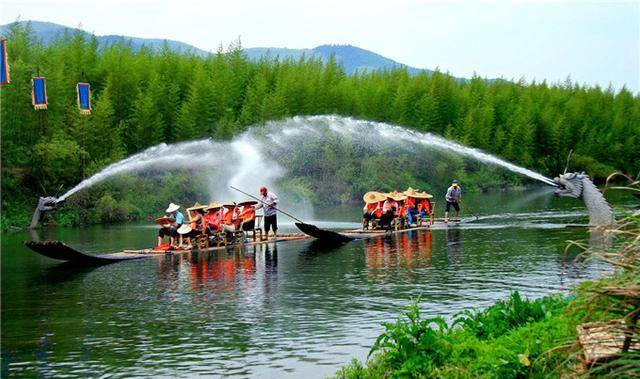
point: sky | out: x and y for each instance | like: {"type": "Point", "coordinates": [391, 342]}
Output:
{"type": "Point", "coordinates": [593, 42]}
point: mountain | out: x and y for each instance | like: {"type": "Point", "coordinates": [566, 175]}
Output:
{"type": "Point", "coordinates": [351, 58]}
{"type": "Point", "coordinates": [48, 31]}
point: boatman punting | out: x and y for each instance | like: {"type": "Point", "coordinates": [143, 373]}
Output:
{"type": "Point", "coordinates": [453, 198]}
{"type": "Point", "coordinates": [269, 201]}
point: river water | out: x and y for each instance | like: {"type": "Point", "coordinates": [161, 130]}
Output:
{"type": "Point", "coordinates": [282, 310]}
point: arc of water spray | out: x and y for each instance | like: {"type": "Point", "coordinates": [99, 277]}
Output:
{"type": "Point", "coordinates": [206, 153]}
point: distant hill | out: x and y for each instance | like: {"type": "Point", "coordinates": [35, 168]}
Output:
{"type": "Point", "coordinates": [351, 58]}
{"type": "Point", "coordinates": [48, 31]}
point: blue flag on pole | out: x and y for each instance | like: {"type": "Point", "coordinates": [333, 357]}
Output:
{"type": "Point", "coordinates": [39, 93]}
{"type": "Point", "coordinates": [84, 97]}
{"type": "Point", "coordinates": [4, 63]}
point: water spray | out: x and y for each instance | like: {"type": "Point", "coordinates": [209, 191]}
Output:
{"type": "Point", "coordinates": [249, 158]}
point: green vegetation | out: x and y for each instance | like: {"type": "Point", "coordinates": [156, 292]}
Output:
{"type": "Point", "coordinates": [519, 338]}
{"type": "Point", "coordinates": [141, 98]}
{"type": "Point", "coordinates": [520, 332]}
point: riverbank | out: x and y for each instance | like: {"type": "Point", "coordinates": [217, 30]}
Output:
{"type": "Point", "coordinates": [518, 338]}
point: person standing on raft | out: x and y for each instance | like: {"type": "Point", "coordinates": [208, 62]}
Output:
{"type": "Point", "coordinates": [269, 201]}
{"type": "Point", "coordinates": [453, 197]}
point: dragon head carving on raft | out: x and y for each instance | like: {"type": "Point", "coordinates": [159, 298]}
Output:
{"type": "Point", "coordinates": [578, 185]}
{"type": "Point", "coordinates": [47, 203]}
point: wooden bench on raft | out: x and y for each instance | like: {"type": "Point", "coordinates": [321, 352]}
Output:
{"type": "Point", "coordinates": [238, 235]}
{"type": "Point", "coordinates": [428, 219]}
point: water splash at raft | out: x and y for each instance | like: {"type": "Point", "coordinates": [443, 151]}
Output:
{"type": "Point", "coordinates": [252, 158]}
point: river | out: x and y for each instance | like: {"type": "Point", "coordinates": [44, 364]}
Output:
{"type": "Point", "coordinates": [282, 310]}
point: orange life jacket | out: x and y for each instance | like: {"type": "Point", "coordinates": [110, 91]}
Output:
{"type": "Point", "coordinates": [213, 219]}
{"type": "Point", "coordinates": [248, 214]}
{"type": "Point", "coordinates": [426, 205]}
{"type": "Point", "coordinates": [227, 219]}
{"type": "Point", "coordinates": [370, 207]}
{"type": "Point", "coordinates": [378, 212]}
{"type": "Point", "coordinates": [410, 203]}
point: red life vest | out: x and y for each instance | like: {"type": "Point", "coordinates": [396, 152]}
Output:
{"type": "Point", "coordinates": [213, 219]}
{"type": "Point", "coordinates": [227, 219]}
{"type": "Point", "coordinates": [378, 212]}
{"type": "Point", "coordinates": [248, 214]}
{"type": "Point", "coordinates": [410, 203]}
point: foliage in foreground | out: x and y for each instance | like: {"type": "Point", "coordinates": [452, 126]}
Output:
{"type": "Point", "coordinates": [499, 342]}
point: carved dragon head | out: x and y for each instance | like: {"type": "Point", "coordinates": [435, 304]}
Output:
{"type": "Point", "coordinates": [570, 184]}
{"type": "Point", "coordinates": [48, 203]}
{"type": "Point", "coordinates": [45, 204]}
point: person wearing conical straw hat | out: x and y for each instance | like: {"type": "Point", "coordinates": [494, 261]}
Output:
{"type": "Point", "coordinates": [400, 213]}
{"type": "Point", "coordinates": [171, 230]}
{"type": "Point", "coordinates": [372, 202]}
{"type": "Point", "coordinates": [186, 233]}
{"type": "Point", "coordinates": [424, 206]}
{"type": "Point", "coordinates": [389, 208]}
{"type": "Point", "coordinates": [230, 219]}
{"type": "Point", "coordinates": [247, 215]}
{"type": "Point", "coordinates": [453, 198]}
{"type": "Point", "coordinates": [197, 217]}
{"type": "Point", "coordinates": [411, 209]}
{"type": "Point", "coordinates": [213, 218]}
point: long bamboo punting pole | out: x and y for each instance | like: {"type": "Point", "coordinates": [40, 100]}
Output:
{"type": "Point", "coordinates": [265, 203]}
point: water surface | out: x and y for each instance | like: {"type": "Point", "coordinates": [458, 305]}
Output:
{"type": "Point", "coordinates": [282, 310]}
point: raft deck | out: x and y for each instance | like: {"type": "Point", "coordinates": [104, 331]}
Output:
{"type": "Point", "coordinates": [60, 251]}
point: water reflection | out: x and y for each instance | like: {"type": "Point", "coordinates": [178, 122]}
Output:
{"type": "Point", "coordinates": [454, 245]}
{"type": "Point", "coordinates": [407, 250]}
{"type": "Point", "coordinates": [221, 270]}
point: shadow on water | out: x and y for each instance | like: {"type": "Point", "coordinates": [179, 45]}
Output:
{"type": "Point", "coordinates": [321, 247]}
{"type": "Point", "coordinates": [63, 272]}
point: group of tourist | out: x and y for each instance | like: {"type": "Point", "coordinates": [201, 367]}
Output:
{"type": "Point", "coordinates": [406, 207]}
{"type": "Point", "coordinates": [217, 219]}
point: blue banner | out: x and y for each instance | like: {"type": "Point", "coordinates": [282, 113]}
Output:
{"type": "Point", "coordinates": [39, 93]}
{"type": "Point", "coordinates": [4, 63]}
{"type": "Point", "coordinates": [84, 97]}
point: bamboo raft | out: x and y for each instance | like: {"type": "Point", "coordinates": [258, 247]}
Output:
{"type": "Point", "coordinates": [60, 251]}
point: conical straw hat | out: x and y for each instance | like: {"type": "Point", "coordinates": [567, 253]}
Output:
{"type": "Point", "coordinates": [247, 202]}
{"type": "Point", "coordinates": [184, 229]}
{"type": "Point", "coordinates": [172, 208]}
{"type": "Point", "coordinates": [397, 196]}
{"type": "Point", "coordinates": [373, 197]}
{"type": "Point", "coordinates": [424, 195]}
{"type": "Point", "coordinates": [165, 221]}
{"type": "Point", "coordinates": [197, 206]}
{"type": "Point", "coordinates": [214, 205]}
{"type": "Point", "coordinates": [411, 192]}
{"type": "Point", "coordinates": [418, 195]}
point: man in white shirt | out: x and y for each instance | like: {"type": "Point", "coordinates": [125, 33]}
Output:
{"type": "Point", "coordinates": [269, 201]}
{"type": "Point", "coordinates": [453, 197]}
